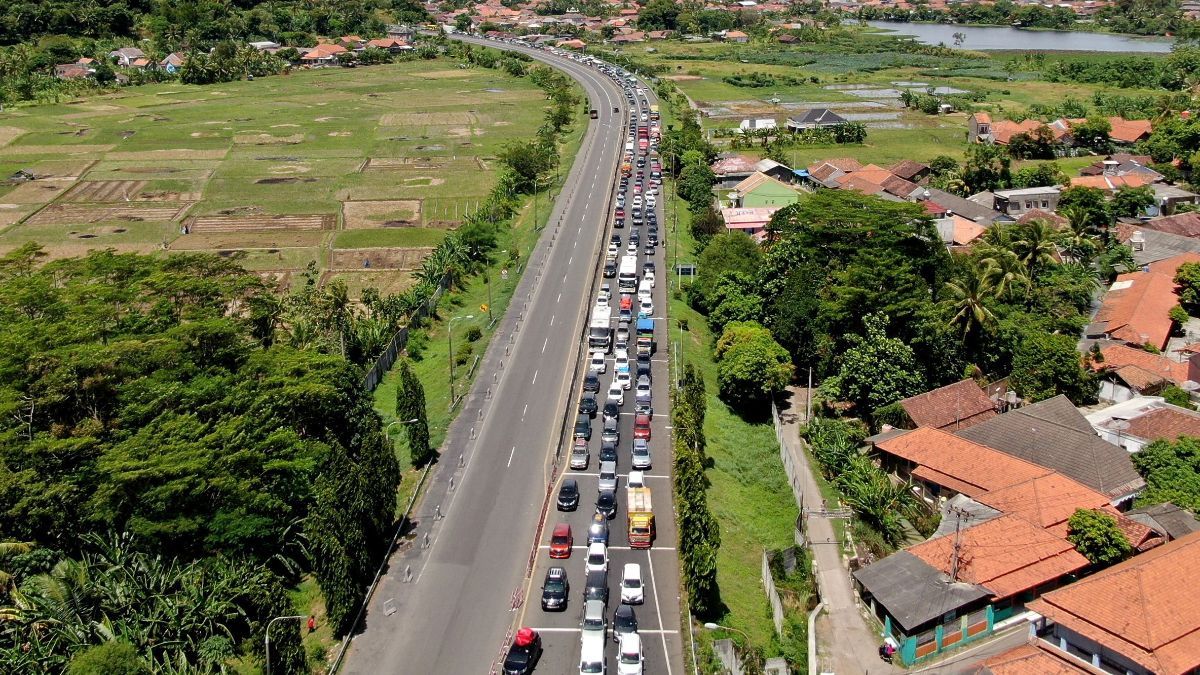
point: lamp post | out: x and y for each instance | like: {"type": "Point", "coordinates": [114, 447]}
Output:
{"type": "Point", "coordinates": [716, 626]}
{"type": "Point", "coordinates": [388, 428]}
{"type": "Point", "coordinates": [450, 344]}
{"type": "Point", "coordinates": [267, 638]}
{"type": "Point", "coordinates": [678, 353]}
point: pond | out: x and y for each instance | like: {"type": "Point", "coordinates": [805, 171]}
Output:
{"type": "Point", "coordinates": [1004, 37]}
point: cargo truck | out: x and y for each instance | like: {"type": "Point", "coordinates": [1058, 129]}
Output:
{"type": "Point", "coordinates": [600, 329]}
{"type": "Point", "coordinates": [641, 517]}
{"type": "Point", "coordinates": [645, 336]}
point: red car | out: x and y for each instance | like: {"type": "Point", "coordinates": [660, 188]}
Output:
{"type": "Point", "coordinates": [641, 426]}
{"type": "Point", "coordinates": [561, 541]}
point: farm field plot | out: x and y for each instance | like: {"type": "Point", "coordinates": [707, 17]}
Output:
{"type": "Point", "coordinates": [332, 166]}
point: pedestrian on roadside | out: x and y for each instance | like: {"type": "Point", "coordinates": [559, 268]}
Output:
{"type": "Point", "coordinates": [312, 623]}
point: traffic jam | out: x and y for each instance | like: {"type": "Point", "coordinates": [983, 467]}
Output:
{"type": "Point", "coordinates": [594, 606]}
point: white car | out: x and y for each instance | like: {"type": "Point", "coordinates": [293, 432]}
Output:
{"type": "Point", "coordinates": [613, 249]}
{"type": "Point", "coordinates": [648, 275]}
{"type": "Point", "coordinates": [650, 200]}
{"type": "Point", "coordinates": [622, 379]}
{"type": "Point", "coordinates": [597, 363]}
{"type": "Point", "coordinates": [631, 249]}
{"type": "Point", "coordinates": [643, 387]}
{"type": "Point", "coordinates": [616, 392]}
{"type": "Point", "coordinates": [631, 585]}
{"type": "Point", "coordinates": [646, 308]}
{"type": "Point", "coordinates": [601, 301]}
{"type": "Point", "coordinates": [597, 558]}
{"type": "Point", "coordinates": [621, 362]}
{"type": "Point", "coordinates": [635, 479]}
{"type": "Point", "coordinates": [591, 652]}
{"type": "Point", "coordinates": [641, 454]}
{"type": "Point", "coordinates": [637, 201]}
{"type": "Point", "coordinates": [629, 656]}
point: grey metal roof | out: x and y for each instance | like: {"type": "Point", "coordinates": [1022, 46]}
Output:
{"type": "Point", "coordinates": [1174, 521]}
{"type": "Point", "coordinates": [913, 592]}
{"type": "Point", "coordinates": [966, 208]}
{"type": "Point", "coordinates": [1054, 434]}
{"type": "Point", "coordinates": [820, 116]}
{"type": "Point", "coordinates": [974, 514]}
{"type": "Point", "coordinates": [1163, 245]}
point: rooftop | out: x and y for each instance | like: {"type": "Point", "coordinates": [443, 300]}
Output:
{"type": "Point", "coordinates": [1033, 659]}
{"type": "Point", "coordinates": [914, 592]}
{"type": "Point", "coordinates": [1137, 609]}
{"type": "Point", "coordinates": [958, 463]}
{"type": "Point", "coordinates": [954, 406]}
{"type": "Point", "coordinates": [1174, 521]}
{"type": "Point", "coordinates": [1046, 501]}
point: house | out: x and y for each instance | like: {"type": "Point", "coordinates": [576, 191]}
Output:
{"type": "Point", "coordinates": [1017, 202]}
{"type": "Point", "coordinates": [1134, 424]}
{"type": "Point", "coordinates": [956, 232]}
{"type": "Point", "coordinates": [352, 43]}
{"type": "Point", "coordinates": [400, 32]}
{"type": "Point", "coordinates": [979, 128]}
{"type": "Point", "coordinates": [172, 62]}
{"type": "Point", "coordinates": [1128, 372]}
{"type": "Point", "coordinates": [910, 170]}
{"type": "Point", "coordinates": [1054, 435]}
{"type": "Point", "coordinates": [1135, 309]}
{"type": "Point", "coordinates": [736, 36]}
{"type": "Point", "coordinates": [816, 118]}
{"type": "Point", "coordinates": [1182, 224]}
{"type": "Point", "coordinates": [1049, 217]}
{"type": "Point", "coordinates": [390, 44]}
{"type": "Point", "coordinates": [1033, 659]}
{"type": "Point", "coordinates": [762, 190]}
{"type": "Point", "coordinates": [1150, 246]}
{"type": "Point", "coordinates": [952, 590]}
{"type": "Point", "coordinates": [732, 169]}
{"type": "Point", "coordinates": [775, 170]}
{"type": "Point", "coordinates": [1128, 132]}
{"type": "Point", "coordinates": [983, 215]}
{"type": "Point", "coordinates": [1168, 198]}
{"type": "Point", "coordinates": [943, 465]}
{"type": "Point", "coordinates": [762, 124]}
{"type": "Point", "coordinates": [126, 55]}
{"type": "Point", "coordinates": [1110, 182]}
{"type": "Point", "coordinates": [1171, 521]}
{"type": "Point", "coordinates": [73, 71]}
{"type": "Point", "coordinates": [1138, 616]}
{"type": "Point", "coordinates": [323, 55]}
{"type": "Point", "coordinates": [954, 406]}
{"type": "Point", "coordinates": [752, 221]}
{"type": "Point", "coordinates": [1121, 164]}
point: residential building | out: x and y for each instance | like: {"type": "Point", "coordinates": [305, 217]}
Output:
{"type": "Point", "coordinates": [911, 170]}
{"type": "Point", "coordinates": [390, 44]}
{"type": "Point", "coordinates": [172, 62]}
{"type": "Point", "coordinates": [1150, 246]}
{"type": "Point", "coordinates": [1138, 616]}
{"type": "Point", "coordinates": [1171, 521]}
{"type": "Point", "coordinates": [125, 56]}
{"type": "Point", "coordinates": [762, 190]}
{"type": "Point", "coordinates": [1139, 421]}
{"type": "Point", "coordinates": [978, 213]}
{"type": "Point", "coordinates": [736, 36]}
{"type": "Point", "coordinates": [323, 55]}
{"type": "Point", "coordinates": [949, 408]}
{"type": "Point", "coordinates": [816, 118]}
{"type": "Point", "coordinates": [265, 45]}
{"type": "Point", "coordinates": [979, 128]}
{"type": "Point", "coordinates": [1128, 372]}
{"type": "Point", "coordinates": [1018, 202]}
{"type": "Point", "coordinates": [753, 221]}
{"type": "Point", "coordinates": [732, 169]}
{"type": "Point", "coordinates": [1135, 309]}
{"type": "Point", "coordinates": [82, 68]}
{"type": "Point", "coordinates": [757, 124]}
{"type": "Point", "coordinates": [1032, 659]}
{"type": "Point", "coordinates": [776, 170]}
{"type": "Point", "coordinates": [1054, 435]}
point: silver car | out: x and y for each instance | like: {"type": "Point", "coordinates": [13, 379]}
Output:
{"type": "Point", "coordinates": [641, 454]}
{"type": "Point", "coordinates": [580, 457]}
{"type": "Point", "coordinates": [608, 476]}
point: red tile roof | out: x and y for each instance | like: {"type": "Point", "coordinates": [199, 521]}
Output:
{"type": "Point", "coordinates": [1169, 423]}
{"type": "Point", "coordinates": [1136, 309]}
{"type": "Point", "coordinates": [843, 163]}
{"type": "Point", "coordinates": [1046, 501]}
{"type": "Point", "coordinates": [1143, 609]}
{"type": "Point", "coordinates": [1183, 224]}
{"type": "Point", "coordinates": [959, 464]}
{"type": "Point", "coordinates": [1033, 659]}
{"type": "Point", "coordinates": [1111, 183]}
{"type": "Point", "coordinates": [1123, 359]}
{"type": "Point", "coordinates": [954, 406]}
{"type": "Point", "coordinates": [1006, 555]}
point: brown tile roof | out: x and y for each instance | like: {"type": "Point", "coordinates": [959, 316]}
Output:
{"type": "Point", "coordinates": [1128, 131]}
{"type": "Point", "coordinates": [1046, 501]}
{"type": "Point", "coordinates": [1141, 536]}
{"type": "Point", "coordinates": [1033, 659]}
{"type": "Point", "coordinates": [1142, 609]}
{"type": "Point", "coordinates": [825, 171]}
{"type": "Point", "coordinates": [1055, 435]}
{"type": "Point", "coordinates": [1155, 367]}
{"type": "Point", "coordinates": [1166, 422]}
{"type": "Point", "coordinates": [954, 406]}
{"type": "Point", "coordinates": [734, 164]}
{"type": "Point", "coordinates": [1183, 224]}
{"type": "Point", "coordinates": [1056, 221]}
{"type": "Point", "coordinates": [908, 168]}
{"type": "Point", "coordinates": [1111, 183]}
{"type": "Point", "coordinates": [1006, 555]}
{"type": "Point", "coordinates": [898, 186]}
{"type": "Point", "coordinates": [960, 464]}
{"type": "Point", "coordinates": [983, 118]}
{"type": "Point", "coordinates": [858, 183]}
{"type": "Point", "coordinates": [1136, 308]}
{"type": "Point", "coordinates": [1004, 130]}
{"type": "Point", "coordinates": [844, 163]}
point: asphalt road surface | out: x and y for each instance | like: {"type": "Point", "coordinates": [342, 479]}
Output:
{"type": "Point", "coordinates": [450, 598]}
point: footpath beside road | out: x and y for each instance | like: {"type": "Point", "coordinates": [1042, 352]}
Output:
{"type": "Point", "coordinates": [845, 642]}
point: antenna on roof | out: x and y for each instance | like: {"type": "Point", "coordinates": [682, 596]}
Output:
{"type": "Point", "coordinates": [957, 556]}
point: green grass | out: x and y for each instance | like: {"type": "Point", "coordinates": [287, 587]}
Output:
{"type": "Point", "coordinates": [748, 493]}
{"type": "Point", "coordinates": [397, 237]}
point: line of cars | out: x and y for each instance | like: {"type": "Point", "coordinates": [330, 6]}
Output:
{"type": "Point", "coordinates": [631, 346]}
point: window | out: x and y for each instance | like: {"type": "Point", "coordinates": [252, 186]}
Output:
{"type": "Point", "coordinates": [1045, 204]}
{"type": "Point", "coordinates": [1028, 204]}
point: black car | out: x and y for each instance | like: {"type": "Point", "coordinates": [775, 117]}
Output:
{"type": "Point", "coordinates": [591, 382]}
{"type": "Point", "coordinates": [624, 622]}
{"type": "Point", "coordinates": [611, 409]}
{"type": "Point", "coordinates": [555, 589]}
{"type": "Point", "coordinates": [524, 653]}
{"type": "Point", "coordinates": [635, 237]}
{"type": "Point", "coordinates": [647, 266]}
{"type": "Point", "coordinates": [619, 223]}
{"type": "Point", "coordinates": [587, 403]}
{"type": "Point", "coordinates": [606, 503]}
{"type": "Point", "coordinates": [583, 427]}
{"type": "Point", "coordinates": [615, 238]}
{"type": "Point", "coordinates": [568, 495]}
{"type": "Point", "coordinates": [608, 451]}
{"type": "Point", "coordinates": [596, 586]}
{"type": "Point", "coordinates": [610, 271]}
{"type": "Point", "coordinates": [652, 236]}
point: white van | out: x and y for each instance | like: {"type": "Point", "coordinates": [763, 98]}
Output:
{"type": "Point", "coordinates": [644, 289]}
{"type": "Point", "coordinates": [591, 655]}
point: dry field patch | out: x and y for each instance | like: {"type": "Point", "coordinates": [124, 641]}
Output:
{"type": "Point", "coordinates": [38, 191]}
{"type": "Point", "coordinates": [267, 139]}
{"type": "Point", "coordinates": [67, 214]}
{"type": "Point", "coordinates": [427, 118]}
{"type": "Point", "coordinates": [363, 215]}
{"type": "Point", "coordinates": [177, 153]}
{"type": "Point", "coordinates": [9, 134]}
{"type": "Point", "coordinates": [259, 223]}
{"type": "Point", "coordinates": [386, 281]}
{"type": "Point", "coordinates": [246, 239]}
{"type": "Point", "coordinates": [444, 74]}
{"type": "Point", "coordinates": [378, 258]}
{"type": "Point", "coordinates": [124, 191]}
{"type": "Point", "coordinates": [56, 149]}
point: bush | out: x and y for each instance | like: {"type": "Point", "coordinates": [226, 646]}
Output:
{"type": "Point", "coordinates": [418, 340]}
{"type": "Point", "coordinates": [474, 333]}
{"type": "Point", "coordinates": [463, 354]}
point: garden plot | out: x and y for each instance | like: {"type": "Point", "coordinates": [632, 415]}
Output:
{"type": "Point", "coordinates": [359, 215]}
{"type": "Point", "coordinates": [55, 149]}
{"type": "Point", "coordinates": [38, 191]}
{"type": "Point", "coordinates": [125, 191]}
{"type": "Point", "coordinates": [235, 222]}
{"type": "Point", "coordinates": [67, 214]}
{"type": "Point", "coordinates": [245, 240]}
{"type": "Point", "coordinates": [378, 258]}
{"type": "Point", "coordinates": [386, 281]}
{"type": "Point", "coordinates": [177, 153]}
{"type": "Point", "coordinates": [428, 118]}
{"type": "Point", "coordinates": [425, 164]}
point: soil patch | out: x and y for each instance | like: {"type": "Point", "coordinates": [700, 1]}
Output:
{"type": "Point", "coordinates": [444, 74]}
{"type": "Point", "coordinates": [9, 134]}
{"type": "Point", "coordinates": [267, 139]}
{"type": "Point", "coordinates": [284, 181]}
{"type": "Point", "coordinates": [124, 191]}
{"type": "Point", "coordinates": [277, 239]}
{"type": "Point", "coordinates": [259, 223]}
{"type": "Point", "coordinates": [79, 149]}
{"type": "Point", "coordinates": [378, 258]}
{"type": "Point", "coordinates": [375, 214]}
{"type": "Point", "coordinates": [290, 168]}
{"type": "Point", "coordinates": [70, 214]}
{"type": "Point", "coordinates": [416, 119]}
{"type": "Point", "coordinates": [151, 155]}
{"type": "Point", "coordinates": [423, 181]}
{"type": "Point", "coordinates": [38, 191]}
{"type": "Point", "coordinates": [682, 78]}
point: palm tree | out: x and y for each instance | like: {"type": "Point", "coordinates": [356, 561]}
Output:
{"type": "Point", "coordinates": [1035, 246]}
{"type": "Point", "coordinates": [877, 500]}
{"type": "Point", "coordinates": [1004, 269]}
{"type": "Point", "coordinates": [969, 296]}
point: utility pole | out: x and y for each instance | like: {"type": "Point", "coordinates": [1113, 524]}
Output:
{"type": "Point", "coordinates": [957, 555]}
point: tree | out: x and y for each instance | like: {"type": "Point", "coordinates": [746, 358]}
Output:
{"type": "Point", "coordinates": [1131, 202]}
{"type": "Point", "coordinates": [109, 658]}
{"type": "Point", "coordinates": [410, 405]}
{"type": "Point", "coordinates": [969, 297]}
{"type": "Point", "coordinates": [1093, 134]}
{"type": "Point", "coordinates": [986, 167]}
{"type": "Point", "coordinates": [1036, 144]}
{"type": "Point", "coordinates": [706, 225]}
{"type": "Point", "coordinates": [695, 185]}
{"type": "Point", "coordinates": [1086, 205]}
{"type": "Point", "coordinates": [462, 22]}
{"type": "Point", "coordinates": [751, 365]}
{"type": "Point", "coordinates": [727, 252]}
{"type": "Point", "coordinates": [733, 299]}
{"type": "Point", "coordinates": [877, 370]}
{"type": "Point", "coordinates": [1045, 366]}
{"type": "Point", "coordinates": [698, 550]}
{"type": "Point", "coordinates": [1098, 537]}
{"type": "Point", "coordinates": [1038, 175]}
{"type": "Point", "coordinates": [1177, 396]}
{"type": "Point", "coordinates": [528, 162]}
{"type": "Point", "coordinates": [1172, 472]}
{"type": "Point", "coordinates": [658, 15]}
{"type": "Point", "coordinates": [1187, 281]}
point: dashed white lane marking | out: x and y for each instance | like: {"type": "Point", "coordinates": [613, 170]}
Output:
{"type": "Point", "coordinates": [525, 410]}
{"type": "Point", "coordinates": [658, 610]}
{"type": "Point", "coordinates": [559, 297]}
{"type": "Point", "coordinates": [543, 350]}
{"type": "Point", "coordinates": [552, 317]}
{"type": "Point", "coordinates": [510, 458]}
{"type": "Point", "coordinates": [536, 372]}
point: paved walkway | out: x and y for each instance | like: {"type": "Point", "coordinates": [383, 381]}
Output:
{"type": "Point", "coordinates": [845, 643]}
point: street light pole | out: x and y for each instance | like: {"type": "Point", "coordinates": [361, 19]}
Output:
{"type": "Point", "coordinates": [717, 626]}
{"type": "Point", "coordinates": [388, 428]}
{"type": "Point", "coordinates": [450, 344]}
{"type": "Point", "coordinates": [267, 638]}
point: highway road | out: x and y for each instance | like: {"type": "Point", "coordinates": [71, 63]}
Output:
{"type": "Point", "coordinates": [453, 593]}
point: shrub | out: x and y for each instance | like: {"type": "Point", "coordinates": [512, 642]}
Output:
{"type": "Point", "coordinates": [474, 333]}
{"type": "Point", "coordinates": [418, 340]}
{"type": "Point", "coordinates": [463, 354]}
